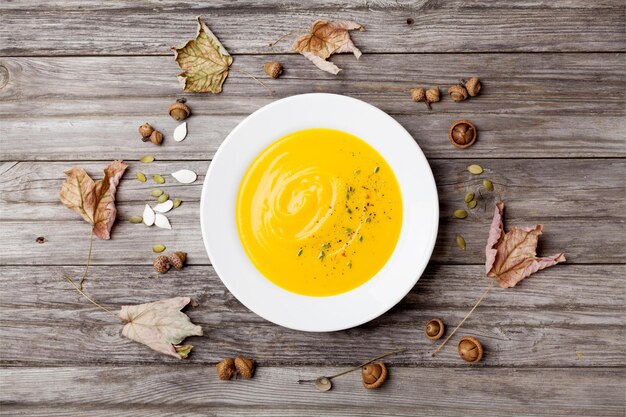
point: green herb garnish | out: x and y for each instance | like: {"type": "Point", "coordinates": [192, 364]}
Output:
{"type": "Point", "coordinates": [376, 170]}
{"type": "Point", "coordinates": [299, 252]}
{"type": "Point", "coordinates": [321, 255]}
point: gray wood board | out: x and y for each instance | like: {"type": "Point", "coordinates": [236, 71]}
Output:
{"type": "Point", "coordinates": [409, 391]}
{"type": "Point", "coordinates": [93, 27]}
{"type": "Point", "coordinates": [580, 202]}
{"type": "Point", "coordinates": [566, 316]}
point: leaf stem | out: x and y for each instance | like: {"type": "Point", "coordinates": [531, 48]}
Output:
{"type": "Point", "coordinates": [80, 291]}
{"type": "Point", "coordinates": [484, 294]}
{"type": "Point", "coordinates": [393, 352]}
{"type": "Point", "coordinates": [281, 38]}
{"type": "Point", "coordinates": [82, 279]}
{"type": "Point", "coordinates": [254, 78]}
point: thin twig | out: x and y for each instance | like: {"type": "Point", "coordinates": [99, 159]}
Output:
{"type": "Point", "coordinates": [101, 307]}
{"type": "Point", "coordinates": [82, 279]}
{"type": "Point", "coordinates": [282, 37]}
{"type": "Point", "coordinates": [393, 352]}
{"type": "Point", "coordinates": [254, 78]}
{"type": "Point", "coordinates": [484, 294]}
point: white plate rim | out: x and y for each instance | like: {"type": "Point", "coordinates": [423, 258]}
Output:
{"type": "Point", "coordinates": [316, 314]}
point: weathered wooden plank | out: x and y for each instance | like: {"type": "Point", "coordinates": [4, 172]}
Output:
{"type": "Point", "coordinates": [492, 391]}
{"type": "Point", "coordinates": [440, 26]}
{"type": "Point", "coordinates": [572, 198]}
{"type": "Point", "coordinates": [74, 87]}
{"type": "Point", "coordinates": [526, 136]}
{"type": "Point", "coordinates": [561, 317]}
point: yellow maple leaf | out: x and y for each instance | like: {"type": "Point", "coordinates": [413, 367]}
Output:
{"type": "Point", "coordinates": [205, 62]}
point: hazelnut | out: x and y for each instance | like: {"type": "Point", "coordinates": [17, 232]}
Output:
{"type": "Point", "coordinates": [161, 264]}
{"type": "Point", "coordinates": [145, 130]}
{"type": "Point", "coordinates": [433, 95]}
{"type": "Point", "coordinates": [225, 369]}
{"type": "Point", "coordinates": [156, 137]}
{"type": "Point", "coordinates": [457, 92]}
{"type": "Point", "coordinates": [177, 259]}
{"type": "Point", "coordinates": [418, 94]}
{"type": "Point", "coordinates": [179, 110]}
{"type": "Point", "coordinates": [462, 134]}
{"type": "Point", "coordinates": [473, 86]}
{"type": "Point", "coordinates": [470, 349]}
{"type": "Point", "coordinates": [374, 375]}
{"type": "Point", "coordinates": [245, 367]}
{"type": "Point", "coordinates": [434, 329]}
{"type": "Point", "coordinates": [273, 69]}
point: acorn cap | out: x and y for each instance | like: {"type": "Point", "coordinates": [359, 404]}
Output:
{"type": "Point", "coordinates": [245, 367]}
{"type": "Point", "coordinates": [179, 110]}
{"type": "Point", "coordinates": [225, 369]}
{"type": "Point", "coordinates": [434, 329]}
{"type": "Point", "coordinates": [470, 349]}
{"type": "Point", "coordinates": [473, 86]}
{"type": "Point", "coordinates": [462, 134]}
{"type": "Point", "coordinates": [273, 69]}
{"type": "Point", "coordinates": [457, 92]}
{"type": "Point", "coordinates": [374, 375]}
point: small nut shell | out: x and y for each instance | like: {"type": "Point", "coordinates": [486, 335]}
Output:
{"type": "Point", "coordinates": [434, 329]}
{"type": "Point", "coordinates": [470, 349]}
{"type": "Point", "coordinates": [177, 259]}
{"type": "Point", "coordinates": [457, 92]}
{"type": "Point", "coordinates": [245, 367]}
{"type": "Point", "coordinates": [145, 130]}
{"type": "Point", "coordinates": [161, 264]}
{"type": "Point", "coordinates": [225, 369]}
{"type": "Point", "coordinates": [433, 95]}
{"type": "Point", "coordinates": [473, 86]}
{"type": "Point", "coordinates": [418, 94]}
{"type": "Point", "coordinates": [374, 375]}
{"type": "Point", "coordinates": [179, 110]}
{"type": "Point", "coordinates": [462, 134]}
{"type": "Point", "coordinates": [156, 137]}
{"type": "Point", "coordinates": [273, 69]}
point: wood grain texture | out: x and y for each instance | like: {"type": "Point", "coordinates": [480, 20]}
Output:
{"type": "Point", "coordinates": [90, 28]}
{"type": "Point", "coordinates": [562, 317]}
{"type": "Point", "coordinates": [492, 391]}
{"type": "Point", "coordinates": [571, 198]}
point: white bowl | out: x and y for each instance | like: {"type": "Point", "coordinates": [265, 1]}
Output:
{"type": "Point", "coordinates": [419, 224]}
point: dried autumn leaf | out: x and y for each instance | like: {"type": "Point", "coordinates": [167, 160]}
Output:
{"type": "Point", "coordinates": [93, 200]}
{"type": "Point", "coordinates": [160, 325]}
{"type": "Point", "coordinates": [327, 38]}
{"type": "Point", "coordinates": [204, 60]}
{"type": "Point", "coordinates": [512, 256]}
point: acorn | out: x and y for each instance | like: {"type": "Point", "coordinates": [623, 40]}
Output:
{"type": "Point", "coordinates": [462, 134]}
{"type": "Point", "coordinates": [145, 130]}
{"type": "Point", "coordinates": [434, 329]}
{"type": "Point", "coordinates": [418, 94]}
{"type": "Point", "coordinates": [225, 369]}
{"type": "Point", "coordinates": [177, 259]}
{"type": "Point", "coordinates": [433, 95]}
{"type": "Point", "coordinates": [179, 110]}
{"type": "Point", "coordinates": [156, 137]}
{"type": "Point", "coordinates": [273, 69]}
{"type": "Point", "coordinates": [457, 92]}
{"type": "Point", "coordinates": [473, 86]}
{"type": "Point", "coordinates": [470, 349]}
{"type": "Point", "coordinates": [245, 367]}
{"type": "Point", "coordinates": [161, 264]}
{"type": "Point", "coordinates": [374, 375]}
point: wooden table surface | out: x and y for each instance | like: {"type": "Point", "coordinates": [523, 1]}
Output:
{"type": "Point", "coordinates": [78, 77]}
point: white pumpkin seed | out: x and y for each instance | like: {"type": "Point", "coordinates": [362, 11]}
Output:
{"type": "Point", "coordinates": [161, 221]}
{"type": "Point", "coordinates": [185, 176]}
{"type": "Point", "coordinates": [164, 207]}
{"type": "Point", "coordinates": [180, 133]}
{"type": "Point", "coordinates": [148, 216]}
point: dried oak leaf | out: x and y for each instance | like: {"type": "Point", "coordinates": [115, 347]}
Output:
{"type": "Point", "coordinates": [511, 256]}
{"type": "Point", "coordinates": [93, 200]}
{"type": "Point", "coordinates": [205, 62]}
{"type": "Point", "coordinates": [327, 38]}
{"type": "Point", "coordinates": [160, 325]}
